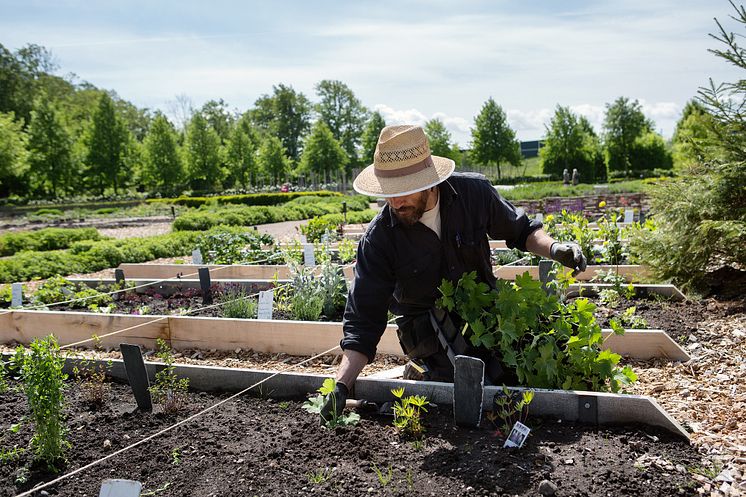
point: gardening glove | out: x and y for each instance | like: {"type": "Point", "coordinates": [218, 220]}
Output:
{"type": "Point", "coordinates": [335, 401]}
{"type": "Point", "coordinates": [569, 255]}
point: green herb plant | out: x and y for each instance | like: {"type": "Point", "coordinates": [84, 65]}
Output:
{"type": "Point", "coordinates": [237, 304]}
{"type": "Point", "coordinates": [314, 405]}
{"type": "Point", "coordinates": [549, 344]}
{"type": "Point", "coordinates": [347, 250]}
{"type": "Point", "coordinates": [168, 389]}
{"type": "Point", "coordinates": [91, 380]}
{"type": "Point", "coordinates": [510, 407]}
{"type": "Point", "coordinates": [628, 319]}
{"type": "Point", "coordinates": [44, 384]}
{"type": "Point", "coordinates": [408, 413]}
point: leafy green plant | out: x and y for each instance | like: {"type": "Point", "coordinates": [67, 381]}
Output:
{"type": "Point", "coordinates": [44, 383]}
{"type": "Point", "coordinates": [10, 455]}
{"type": "Point", "coordinates": [315, 403]}
{"type": "Point", "coordinates": [347, 250]}
{"type": "Point", "coordinates": [609, 297]}
{"type": "Point", "coordinates": [91, 380]}
{"type": "Point", "coordinates": [234, 245]}
{"type": "Point", "coordinates": [314, 293]}
{"type": "Point", "coordinates": [510, 406]}
{"type": "Point", "coordinates": [237, 304]}
{"type": "Point", "coordinates": [628, 319]}
{"type": "Point", "coordinates": [59, 289]}
{"type": "Point", "coordinates": [320, 227]}
{"type": "Point", "coordinates": [175, 456]}
{"type": "Point", "coordinates": [408, 413]}
{"type": "Point", "coordinates": [168, 389]}
{"type": "Point", "coordinates": [568, 227]}
{"type": "Point", "coordinates": [3, 381]}
{"type": "Point", "coordinates": [549, 344]}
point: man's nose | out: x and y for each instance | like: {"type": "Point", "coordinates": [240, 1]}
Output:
{"type": "Point", "coordinates": [396, 202]}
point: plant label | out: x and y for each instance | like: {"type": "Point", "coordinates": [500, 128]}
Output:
{"type": "Point", "coordinates": [16, 295]}
{"type": "Point", "coordinates": [120, 488]}
{"type": "Point", "coordinates": [309, 259]}
{"type": "Point", "coordinates": [518, 435]}
{"type": "Point", "coordinates": [196, 256]}
{"type": "Point", "coordinates": [629, 215]}
{"type": "Point", "coordinates": [539, 217]}
{"type": "Point", "coordinates": [266, 301]}
{"type": "Point", "coordinates": [303, 239]}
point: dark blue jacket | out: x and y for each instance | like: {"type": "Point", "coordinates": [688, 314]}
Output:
{"type": "Point", "coordinates": [400, 267]}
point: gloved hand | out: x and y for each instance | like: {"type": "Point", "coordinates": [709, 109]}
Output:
{"type": "Point", "coordinates": [569, 255]}
{"type": "Point", "coordinates": [335, 402]}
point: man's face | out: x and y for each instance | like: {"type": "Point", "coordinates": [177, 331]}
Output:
{"type": "Point", "coordinates": [409, 208]}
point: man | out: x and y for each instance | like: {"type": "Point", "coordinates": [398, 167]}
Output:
{"type": "Point", "coordinates": [435, 225]}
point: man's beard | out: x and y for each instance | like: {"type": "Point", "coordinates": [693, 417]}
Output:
{"type": "Point", "coordinates": [409, 215]}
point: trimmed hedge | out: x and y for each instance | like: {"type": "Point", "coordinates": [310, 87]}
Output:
{"type": "Point", "coordinates": [298, 209]}
{"type": "Point", "coordinates": [246, 199]}
{"type": "Point", "coordinates": [317, 226]}
{"type": "Point", "coordinates": [44, 239]}
{"type": "Point", "coordinates": [87, 256]}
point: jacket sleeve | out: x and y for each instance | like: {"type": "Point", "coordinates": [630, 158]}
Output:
{"type": "Point", "coordinates": [505, 221]}
{"type": "Point", "coordinates": [368, 300]}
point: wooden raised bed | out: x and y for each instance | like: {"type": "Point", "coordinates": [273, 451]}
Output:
{"type": "Point", "coordinates": [260, 272]}
{"type": "Point", "coordinates": [272, 336]}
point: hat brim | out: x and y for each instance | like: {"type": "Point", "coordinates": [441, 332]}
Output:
{"type": "Point", "coordinates": [368, 183]}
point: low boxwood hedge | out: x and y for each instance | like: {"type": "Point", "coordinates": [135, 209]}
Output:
{"type": "Point", "coordinates": [246, 199]}
{"type": "Point", "coordinates": [87, 256]}
{"type": "Point", "coordinates": [298, 209]}
{"type": "Point", "coordinates": [44, 239]}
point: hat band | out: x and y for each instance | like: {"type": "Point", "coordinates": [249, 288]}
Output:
{"type": "Point", "coordinates": [404, 171]}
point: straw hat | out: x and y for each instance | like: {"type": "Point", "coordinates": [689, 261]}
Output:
{"type": "Point", "coordinates": [402, 164]}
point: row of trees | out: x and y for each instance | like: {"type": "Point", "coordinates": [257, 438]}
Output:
{"type": "Point", "coordinates": [59, 137]}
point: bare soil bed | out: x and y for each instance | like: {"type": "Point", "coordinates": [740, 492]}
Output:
{"type": "Point", "coordinates": [253, 446]}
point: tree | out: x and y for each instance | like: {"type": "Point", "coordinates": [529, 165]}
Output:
{"type": "Point", "coordinates": [322, 153]}
{"type": "Point", "coordinates": [624, 123]}
{"type": "Point", "coordinates": [570, 145]}
{"type": "Point", "coordinates": [163, 170]}
{"type": "Point", "coordinates": [16, 87]}
{"type": "Point", "coordinates": [701, 216]}
{"type": "Point", "coordinates": [51, 162]}
{"type": "Point", "coordinates": [107, 147]}
{"type": "Point", "coordinates": [370, 136]}
{"type": "Point", "coordinates": [440, 140]}
{"type": "Point", "coordinates": [219, 118]}
{"type": "Point", "coordinates": [494, 141]}
{"type": "Point", "coordinates": [203, 155]}
{"type": "Point", "coordinates": [693, 139]}
{"type": "Point", "coordinates": [13, 153]}
{"type": "Point", "coordinates": [649, 152]}
{"type": "Point", "coordinates": [272, 160]}
{"type": "Point", "coordinates": [285, 114]}
{"type": "Point", "coordinates": [343, 113]}
{"type": "Point", "coordinates": [241, 153]}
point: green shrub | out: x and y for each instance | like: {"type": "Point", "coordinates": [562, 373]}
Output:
{"type": "Point", "coordinates": [247, 199]}
{"type": "Point", "coordinates": [233, 245]}
{"type": "Point", "coordinates": [44, 384]}
{"type": "Point", "coordinates": [86, 256]}
{"type": "Point", "coordinates": [105, 210]}
{"type": "Point", "coordinates": [49, 212]}
{"type": "Point", "coordinates": [44, 239]}
{"type": "Point", "coordinates": [238, 305]}
{"type": "Point", "coordinates": [59, 289]}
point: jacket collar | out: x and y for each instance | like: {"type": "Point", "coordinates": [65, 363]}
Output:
{"type": "Point", "coordinates": [447, 195]}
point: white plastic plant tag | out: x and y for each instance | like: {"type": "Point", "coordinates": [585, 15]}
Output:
{"type": "Point", "coordinates": [16, 295]}
{"type": "Point", "coordinates": [539, 217]}
{"type": "Point", "coordinates": [629, 216]}
{"type": "Point", "coordinates": [120, 488]}
{"type": "Point", "coordinates": [196, 256]}
{"type": "Point", "coordinates": [517, 436]}
{"type": "Point", "coordinates": [303, 239]}
{"type": "Point", "coordinates": [309, 259]}
{"type": "Point", "coordinates": [266, 301]}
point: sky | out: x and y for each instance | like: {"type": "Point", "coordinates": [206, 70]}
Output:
{"type": "Point", "coordinates": [412, 60]}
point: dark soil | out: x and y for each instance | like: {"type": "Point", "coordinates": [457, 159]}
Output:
{"type": "Point", "coordinates": [253, 446]}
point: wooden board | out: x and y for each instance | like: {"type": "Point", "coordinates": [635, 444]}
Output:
{"type": "Point", "coordinates": [557, 404]}
{"type": "Point", "coordinates": [159, 271]}
{"type": "Point", "coordinates": [71, 327]}
{"type": "Point", "coordinates": [644, 344]}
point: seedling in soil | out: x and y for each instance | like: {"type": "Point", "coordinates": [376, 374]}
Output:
{"type": "Point", "coordinates": [408, 413]}
{"type": "Point", "coordinates": [168, 390]}
{"type": "Point", "coordinates": [319, 476]}
{"type": "Point", "coordinates": [283, 405]}
{"type": "Point", "coordinates": [91, 379]}
{"type": "Point", "coordinates": [10, 455]}
{"type": "Point", "coordinates": [3, 382]}
{"type": "Point", "coordinates": [629, 320]}
{"type": "Point", "coordinates": [510, 406]}
{"type": "Point", "coordinates": [157, 490]}
{"type": "Point", "coordinates": [44, 383]}
{"type": "Point", "coordinates": [384, 478]}
{"type": "Point", "coordinates": [314, 405]}
{"type": "Point", "coordinates": [175, 456]}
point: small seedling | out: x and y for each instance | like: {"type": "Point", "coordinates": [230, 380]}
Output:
{"type": "Point", "coordinates": [319, 476]}
{"type": "Point", "coordinates": [316, 403]}
{"type": "Point", "coordinates": [510, 406]}
{"type": "Point", "coordinates": [3, 382]}
{"type": "Point", "coordinates": [168, 390]}
{"type": "Point", "coordinates": [628, 319]}
{"type": "Point", "coordinates": [157, 490]}
{"type": "Point", "coordinates": [175, 456]}
{"type": "Point", "coordinates": [91, 380]}
{"type": "Point", "coordinates": [11, 455]}
{"type": "Point", "coordinates": [283, 405]}
{"type": "Point", "coordinates": [408, 413]}
{"type": "Point", "coordinates": [384, 478]}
